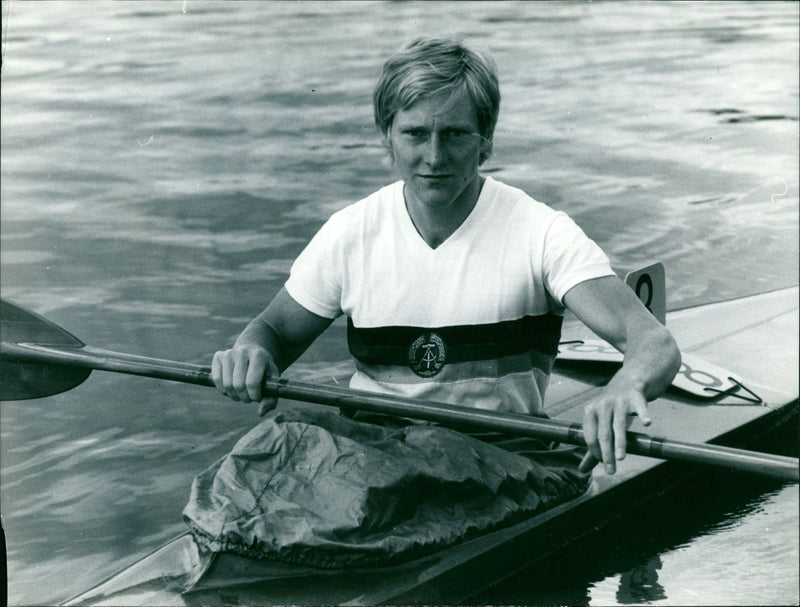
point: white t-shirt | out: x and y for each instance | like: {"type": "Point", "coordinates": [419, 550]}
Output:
{"type": "Point", "coordinates": [504, 271]}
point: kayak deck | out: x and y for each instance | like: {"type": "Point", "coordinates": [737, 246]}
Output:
{"type": "Point", "coordinates": [755, 337]}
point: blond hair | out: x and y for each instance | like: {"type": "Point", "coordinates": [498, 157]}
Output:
{"type": "Point", "coordinates": [428, 66]}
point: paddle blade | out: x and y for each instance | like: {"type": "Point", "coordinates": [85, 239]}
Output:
{"type": "Point", "coordinates": [25, 380]}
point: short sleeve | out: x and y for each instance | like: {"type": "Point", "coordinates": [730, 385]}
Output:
{"type": "Point", "coordinates": [315, 279]}
{"type": "Point", "coordinates": [570, 257]}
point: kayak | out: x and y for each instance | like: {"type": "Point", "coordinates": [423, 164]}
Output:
{"type": "Point", "coordinates": [749, 346]}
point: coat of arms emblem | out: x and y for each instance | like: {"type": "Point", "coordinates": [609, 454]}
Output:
{"type": "Point", "coordinates": [427, 355]}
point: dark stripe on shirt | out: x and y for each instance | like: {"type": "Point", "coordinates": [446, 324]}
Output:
{"type": "Point", "coordinates": [390, 345]}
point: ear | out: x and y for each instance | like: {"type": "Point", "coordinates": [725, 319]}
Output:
{"type": "Point", "coordinates": [386, 141]}
{"type": "Point", "coordinates": [486, 149]}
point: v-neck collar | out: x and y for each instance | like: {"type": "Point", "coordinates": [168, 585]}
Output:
{"type": "Point", "coordinates": [471, 218]}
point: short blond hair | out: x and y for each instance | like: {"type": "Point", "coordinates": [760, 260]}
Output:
{"type": "Point", "coordinates": [428, 66]}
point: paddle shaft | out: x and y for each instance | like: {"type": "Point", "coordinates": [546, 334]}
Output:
{"type": "Point", "coordinates": [572, 433]}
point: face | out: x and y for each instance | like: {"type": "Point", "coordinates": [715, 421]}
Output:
{"type": "Point", "coordinates": [437, 148]}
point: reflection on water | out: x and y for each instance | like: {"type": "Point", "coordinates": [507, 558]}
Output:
{"type": "Point", "coordinates": [729, 544]}
{"type": "Point", "coordinates": [164, 163]}
{"type": "Point", "coordinates": [640, 584]}
{"type": "Point", "coordinates": [752, 533]}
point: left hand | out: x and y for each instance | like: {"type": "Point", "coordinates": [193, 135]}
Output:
{"type": "Point", "coordinates": [606, 421]}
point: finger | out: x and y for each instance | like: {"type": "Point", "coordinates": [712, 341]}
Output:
{"type": "Point", "coordinates": [588, 462]}
{"type": "Point", "coordinates": [267, 405]}
{"type": "Point", "coordinates": [254, 378]}
{"type": "Point", "coordinates": [620, 426]}
{"type": "Point", "coordinates": [640, 407]}
{"type": "Point", "coordinates": [272, 368]}
{"type": "Point", "coordinates": [590, 433]}
{"type": "Point", "coordinates": [605, 437]}
{"type": "Point", "coordinates": [226, 373]}
{"type": "Point", "coordinates": [239, 376]}
{"type": "Point", "coordinates": [216, 370]}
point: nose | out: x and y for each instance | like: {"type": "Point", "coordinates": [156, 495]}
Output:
{"type": "Point", "coordinates": [435, 153]}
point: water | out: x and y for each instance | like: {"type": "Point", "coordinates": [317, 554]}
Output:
{"type": "Point", "coordinates": [163, 163]}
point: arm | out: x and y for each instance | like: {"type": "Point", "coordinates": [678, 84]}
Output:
{"type": "Point", "coordinates": [268, 345]}
{"type": "Point", "coordinates": [610, 309]}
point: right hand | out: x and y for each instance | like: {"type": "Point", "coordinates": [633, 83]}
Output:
{"type": "Point", "coordinates": [240, 372]}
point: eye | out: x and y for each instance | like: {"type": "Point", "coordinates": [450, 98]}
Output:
{"type": "Point", "coordinates": [415, 133]}
{"type": "Point", "coordinates": [456, 133]}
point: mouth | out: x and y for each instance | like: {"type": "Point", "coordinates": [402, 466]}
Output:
{"type": "Point", "coordinates": [434, 178]}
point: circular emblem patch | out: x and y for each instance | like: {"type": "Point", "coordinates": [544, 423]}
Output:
{"type": "Point", "coordinates": [427, 355]}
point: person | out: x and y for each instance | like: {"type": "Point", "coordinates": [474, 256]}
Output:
{"type": "Point", "coordinates": [454, 284]}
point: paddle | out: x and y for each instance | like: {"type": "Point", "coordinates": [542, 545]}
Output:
{"type": "Point", "coordinates": [38, 358]}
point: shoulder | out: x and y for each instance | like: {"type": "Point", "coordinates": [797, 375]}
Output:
{"type": "Point", "coordinates": [352, 219]}
{"type": "Point", "coordinates": [376, 204]}
{"type": "Point", "coordinates": [518, 204]}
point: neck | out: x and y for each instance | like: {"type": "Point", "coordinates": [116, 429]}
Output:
{"type": "Point", "coordinates": [437, 224]}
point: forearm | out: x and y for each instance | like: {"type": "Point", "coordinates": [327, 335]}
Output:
{"type": "Point", "coordinates": [285, 330]}
{"type": "Point", "coordinates": [613, 312]}
{"type": "Point", "coordinates": [283, 351]}
{"type": "Point", "coordinates": [261, 334]}
{"type": "Point", "coordinates": [652, 359]}
{"type": "Point", "coordinates": [269, 344]}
